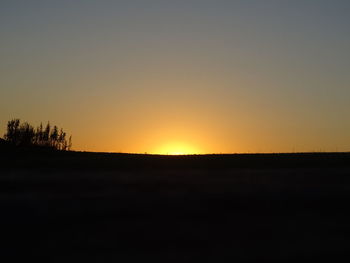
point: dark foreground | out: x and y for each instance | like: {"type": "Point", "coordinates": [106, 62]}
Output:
{"type": "Point", "coordinates": [83, 207]}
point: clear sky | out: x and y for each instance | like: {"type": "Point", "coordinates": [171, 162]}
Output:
{"type": "Point", "coordinates": [178, 76]}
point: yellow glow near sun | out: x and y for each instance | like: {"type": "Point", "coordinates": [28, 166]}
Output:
{"type": "Point", "coordinates": [176, 149]}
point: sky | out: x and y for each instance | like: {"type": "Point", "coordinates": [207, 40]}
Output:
{"type": "Point", "coordinates": [179, 76]}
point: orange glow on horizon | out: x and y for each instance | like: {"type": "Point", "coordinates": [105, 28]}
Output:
{"type": "Point", "coordinates": [176, 148]}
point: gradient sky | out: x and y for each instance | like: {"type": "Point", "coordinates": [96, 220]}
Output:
{"type": "Point", "coordinates": [188, 76]}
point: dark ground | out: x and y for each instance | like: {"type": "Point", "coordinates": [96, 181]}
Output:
{"type": "Point", "coordinates": [87, 207]}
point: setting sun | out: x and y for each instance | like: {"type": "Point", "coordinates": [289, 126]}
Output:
{"type": "Point", "coordinates": [176, 149]}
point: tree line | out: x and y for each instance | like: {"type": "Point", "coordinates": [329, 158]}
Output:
{"type": "Point", "coordinates": [24, 134]}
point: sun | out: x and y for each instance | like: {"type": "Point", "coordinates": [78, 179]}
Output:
{"type": "Point", "coordinates": [176, 149]}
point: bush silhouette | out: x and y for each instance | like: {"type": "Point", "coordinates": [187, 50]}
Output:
{"type": "Point", "coordinates": [25, 135]}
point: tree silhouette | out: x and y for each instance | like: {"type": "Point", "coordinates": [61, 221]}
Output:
{"type": "Point", "coordinates": [46, 135]}
{"type": "Point", "coordinates": [54, 137]}
{"type": "Point", "coordinates": [12, 131]}
{"type": "Point", "coordinates": [39, 135]}
{"type": "Point", "coordinates": [26, 135]}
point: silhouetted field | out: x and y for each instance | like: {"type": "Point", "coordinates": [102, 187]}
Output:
{"type": "Point", "coordinates": [94, 207]}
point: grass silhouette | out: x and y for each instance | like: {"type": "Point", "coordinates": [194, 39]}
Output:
{"type": "Point", "coordinates": [95, 207]}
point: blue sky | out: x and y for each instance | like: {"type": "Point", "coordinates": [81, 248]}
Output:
{"type": "Point", "coordinates": [220, 76]}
